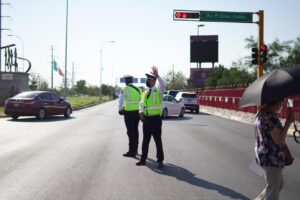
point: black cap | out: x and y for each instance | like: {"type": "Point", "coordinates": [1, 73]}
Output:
{"type": "Point", "coordinates": [128, 79]}
{"type": "Point", "coordinates": [127, 76]}
{"type": "Point", "coordinates": [149, 76]}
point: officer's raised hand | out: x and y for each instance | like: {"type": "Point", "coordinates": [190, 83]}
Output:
{"type": "Point", "coordinates": [154, 71]}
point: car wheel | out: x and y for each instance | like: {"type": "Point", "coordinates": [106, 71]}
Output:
{"type": "Point", "coordinates": [197, 111]}
{"type": "Point", "coordinates": [165, 113]}
{"type": "Point", "coordinates": [15, 117]}
{"type": "Point", "coordinates": [41, 114]}
{"type": "Point", "coordinates": [181, 112]}
{"type": "Point", "coordinates": [68, 112]}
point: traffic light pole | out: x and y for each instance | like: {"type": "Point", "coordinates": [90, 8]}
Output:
{"type": "Point", "coordinates": [260, 68]}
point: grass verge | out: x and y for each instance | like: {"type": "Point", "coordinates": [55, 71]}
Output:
{"type": "Point", "coordinates": [2, 111]}
{"type": "Point", "coordinates": [82, 102]}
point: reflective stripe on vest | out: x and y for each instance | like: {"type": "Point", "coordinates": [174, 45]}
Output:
{"type": "Point", "coordinates": [152, 104]}
{"type": "Point", "coordinates": [131, 99]}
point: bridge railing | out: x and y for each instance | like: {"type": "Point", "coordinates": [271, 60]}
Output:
{"type": "Point", "coordinates": [229, 98]}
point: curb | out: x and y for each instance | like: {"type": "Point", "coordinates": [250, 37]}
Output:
{"type": "Point", "coordinates": [247, 118]}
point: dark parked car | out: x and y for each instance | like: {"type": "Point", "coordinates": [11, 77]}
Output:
{"type": "Point", "coordinates": [37, 103]}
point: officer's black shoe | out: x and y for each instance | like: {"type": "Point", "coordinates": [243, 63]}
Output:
{"type": "Point", "coordinates": [129, 154]}
{"type": "Point", "coordinates": [142, 162]}
{"type": "Point", "coordinates": [160, 164]}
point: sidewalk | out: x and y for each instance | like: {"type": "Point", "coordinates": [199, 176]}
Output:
{"type": "Point", "coordinates": [248, 118]}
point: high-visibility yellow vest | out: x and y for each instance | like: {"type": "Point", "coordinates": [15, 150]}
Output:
{"type": "Point", "coordinates": [152, 104]}
{"type": "Point", "coordinates": [132, 98]}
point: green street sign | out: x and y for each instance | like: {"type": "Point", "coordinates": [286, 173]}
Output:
{"type": "Point", "coordinates": [216, 16]}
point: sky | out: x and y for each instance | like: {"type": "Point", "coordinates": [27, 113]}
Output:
{"type": "Point", "coordinates": [144, 32]}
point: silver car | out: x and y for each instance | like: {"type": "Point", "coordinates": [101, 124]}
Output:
{"type": "Point", "coordinates": [189, 99]}
{"type": "Point", "coordinates": [170, 106]}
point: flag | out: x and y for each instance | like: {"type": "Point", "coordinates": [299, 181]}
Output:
{"type": "Point", "coordinates": [60, 72]}
{"type": "Point", "coordinates": [54, 65]}
{"type": "Point", "coordinates": [56, 68]}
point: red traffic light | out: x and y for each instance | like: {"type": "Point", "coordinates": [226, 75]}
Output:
{"type": "Point", "coordinates": [186, 15]}
{"type": "Point", "coordinates": [263, 54]}
{"type": "Point", "coordinates": [180, 15]}
{"type": "Point", "coordinates": [264, 47]}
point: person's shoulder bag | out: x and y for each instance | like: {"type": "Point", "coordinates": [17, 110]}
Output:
{"type": "Point", "coordinates": [289, 159]}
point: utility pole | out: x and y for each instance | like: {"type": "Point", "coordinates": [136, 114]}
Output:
{"type": "Point", "coordinates": [1, 30]}
{"type": "Point", "coordinates": [260, 68]}
{"type": "Point", "coordinates": [52, 66]}
{"type": "Point", "coordinates": [173, 81]}
{"type": "Point", "coordinates": [73, 75]}
{"type": "Point", "coordinates": [66, 53]}
{"type": "Point", "coordinates": [1, 35]}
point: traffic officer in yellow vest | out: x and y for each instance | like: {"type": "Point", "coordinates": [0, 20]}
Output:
{"type": "Point", "coordinates": [129, 100]}
{"type": "Point", "coordinates": [150, 115]}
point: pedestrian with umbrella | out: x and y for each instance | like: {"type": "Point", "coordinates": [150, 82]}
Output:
{"type": "Point", "coordinates": [269, 92]}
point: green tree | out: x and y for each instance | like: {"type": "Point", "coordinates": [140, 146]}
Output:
{"type": "Point", "coordinates": [33, 83]}
{"type": "Point", "coordinates": [43, 85]}
{"type": "Point", "coordinates": [81, 87]}
{"type": "Point", "coordinates": [175, 81]}
{"type": "Point", "coordinates": [37, 82]}
{"type": "Point", "coordinates": [107, 90]}
{"type": "Point", "coordinates": [293, 59]}
{"type": "Point", "coordinates": [233, 77]}
{"type": "Point", "coordinates": [212, 80]}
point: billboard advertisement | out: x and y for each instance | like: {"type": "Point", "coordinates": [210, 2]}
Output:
{"type": "Point", "coordinates": [204, 48]}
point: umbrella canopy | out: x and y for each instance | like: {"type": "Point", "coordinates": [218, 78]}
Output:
{"type": "Point", "coordinates": [272, 87]}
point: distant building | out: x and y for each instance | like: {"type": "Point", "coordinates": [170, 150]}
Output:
{"type": "Point", "coordinates": [198, 77]}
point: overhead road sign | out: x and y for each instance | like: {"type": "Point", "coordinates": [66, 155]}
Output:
{"type": "Point", "coordinates": [217, 16]}
{"type": "Point", "coordinates": [213, 16]}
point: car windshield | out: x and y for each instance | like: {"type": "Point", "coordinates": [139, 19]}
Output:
{"type": "Point", "coordinates": [173, 93]}
{"type": "Point", "coordinates": [29, 95]}
{"type": "Point", "coordinates": [186, 95]}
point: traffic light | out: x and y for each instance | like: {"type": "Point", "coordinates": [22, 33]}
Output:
{"type": "Point", "coordinates": [263, 54]}
{"type": "Point", "coordinates": [254, 56]}
{"type": "Point", "coordinates": [186, 15]}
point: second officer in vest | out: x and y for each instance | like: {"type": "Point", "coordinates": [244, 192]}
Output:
{"type": "Point", "coordinates": [129, 106]}
{"type": "Point", "coordinates": [150, 114]}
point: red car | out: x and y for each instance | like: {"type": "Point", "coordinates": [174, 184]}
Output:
{"type": "Point", "coordinates": [37, 103]}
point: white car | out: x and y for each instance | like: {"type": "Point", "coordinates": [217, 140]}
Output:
{"type": "Point", "coordinates": [170, 106]}
{"type": "Point", "coordinates": [189, 99]}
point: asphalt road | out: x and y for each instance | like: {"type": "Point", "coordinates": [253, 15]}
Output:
{"type": "Point", "coordinates": [206, 157]}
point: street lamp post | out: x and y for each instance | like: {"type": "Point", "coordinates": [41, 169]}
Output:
{"type": "Point", "coordinates": [66, 51]}
{"type": "Point", "coordinates": [11, 35]}
{"type": "Point", "coordinates": [199, 25]}
{"type": "Point", "coordinates": [101, 67]}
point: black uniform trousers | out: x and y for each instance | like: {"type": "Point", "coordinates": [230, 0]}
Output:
{"type": "Point", "coordinates": [152, 127]}
{"type": "Point", "coordinates": [132, 119]}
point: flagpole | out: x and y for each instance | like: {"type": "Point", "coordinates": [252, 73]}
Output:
{"type": "Point", "coordinates": [66, 53]}
{"type": "Point", "coordinates": [52, 66]}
